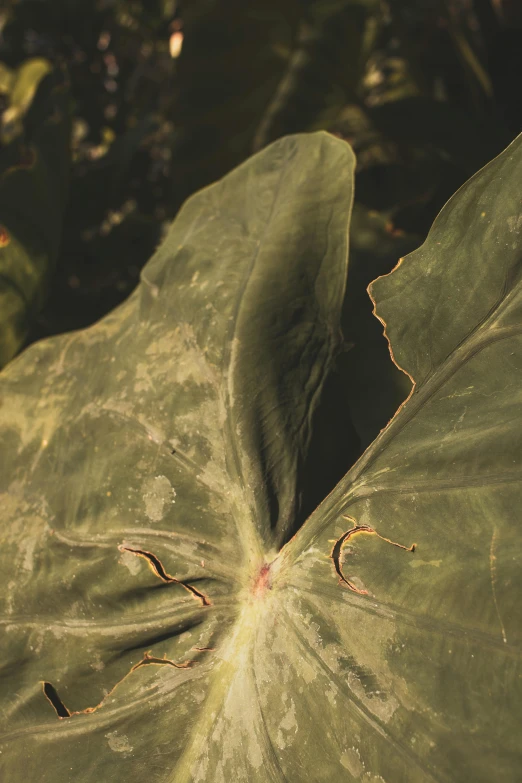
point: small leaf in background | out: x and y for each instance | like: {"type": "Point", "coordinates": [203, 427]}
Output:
{"type": "Point", "coordinates": [34, 161]}
{"type": "Point", "coordinates": [121, 90]}
{"type": "Point", "coordinates": [19, 87]}
{"type": "Point", "coordinates": [332, 44]}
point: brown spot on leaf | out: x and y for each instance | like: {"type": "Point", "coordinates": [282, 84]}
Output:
{"type": "Point", "coordinates": [5, 238]}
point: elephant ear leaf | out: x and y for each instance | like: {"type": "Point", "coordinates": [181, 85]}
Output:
{"type": "Point", "coordinates": [417, 632]}
{"type": "Point", "coordinates": [34, 161]}
{"type": "Point", "coordinates": [160, 616]}
{"type": "Point", "coordinates": [150, 473]}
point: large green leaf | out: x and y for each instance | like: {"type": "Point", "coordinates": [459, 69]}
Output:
{"type": "Point", "coordinates": [423, 647]}
{"type": "Point", "coordinates": [177, 426]}
{"type": "Point", "coordinates": [172, 435]}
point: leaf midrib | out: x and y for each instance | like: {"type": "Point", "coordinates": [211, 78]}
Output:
{"type": "Point", "coordinates": [248, 535]}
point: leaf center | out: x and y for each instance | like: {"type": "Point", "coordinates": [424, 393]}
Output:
{"type": "Point", "coordinates": [263, 581]}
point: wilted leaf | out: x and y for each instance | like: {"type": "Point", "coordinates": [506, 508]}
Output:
{"type": "Point", "coordinates": [170, 435]}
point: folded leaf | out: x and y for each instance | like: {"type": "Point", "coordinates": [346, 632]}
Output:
{"type": "Point", "coordinates": [152, 462]}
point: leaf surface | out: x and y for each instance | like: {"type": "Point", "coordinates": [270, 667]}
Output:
{"type": "Point", "coordinates": [431, 638]}
{"type": "Point", "coordinates": [151, 466]}
{"type": "Point", "coordinates": [170, 435]}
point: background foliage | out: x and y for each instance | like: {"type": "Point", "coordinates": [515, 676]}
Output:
{"type": "Point", "coordinates": [112, 114]}
{"type": "Point", "coordinates": [422, 90]}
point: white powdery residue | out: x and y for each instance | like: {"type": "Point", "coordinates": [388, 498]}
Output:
{"type": "Point", "coordinates": [307, 671]}
{"type": "Point", "coordinates": [287, 724]}
{"type": "Point", "coordinates": [27, 547]}
{"type": "Point", "coordinates": [331, 696]}
{"type": "Point", "coordinates": [351, 761]}
{"type": "Point", "coordinates": [130, 561]}
{"type": "Point", "coordinates": [214, 477]}
{"type": "Point", "coordinates": [236, 733]}
{"type": "Point", "coordinates": [231, 368]}
{"type": "Point", "coordinates": [200, 767]}
{"type": "Point", "coordinates": [10, 596]}
{"type": "Point", "coordinates": [280, 740]}
{"type": "Point", "coordinates": [118, 742]}
{"type": "Point", "coordinates": [98, 665]}
{"type": "Point", "coordinates": [158, 494]}
{"type": "Point", "coordinates": [39, 641]}
{"type": "Point", "coordinates": [143, 381]}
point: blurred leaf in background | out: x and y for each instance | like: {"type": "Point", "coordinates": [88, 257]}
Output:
{"type": "Point", "coordinates": [34, 172]}
{"type": "Point", "coordinates": [121, 74]}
